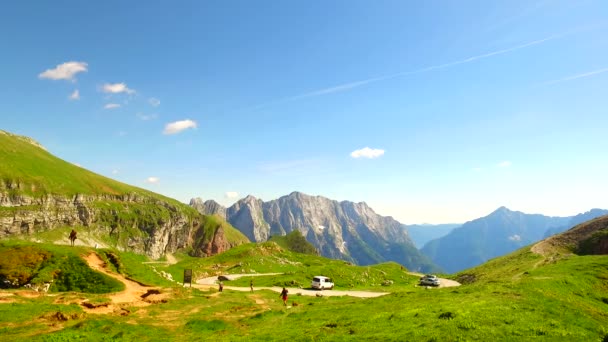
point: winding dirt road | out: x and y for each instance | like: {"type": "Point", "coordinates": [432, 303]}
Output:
{"type": "Point", "coordinates": [208, 282]}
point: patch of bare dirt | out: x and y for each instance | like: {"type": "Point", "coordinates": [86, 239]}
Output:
{"type": "Point", "coordinates": [135, 294]}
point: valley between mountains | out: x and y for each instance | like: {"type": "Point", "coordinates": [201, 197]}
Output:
{"type": "Point", "coordinates": [506, 276]}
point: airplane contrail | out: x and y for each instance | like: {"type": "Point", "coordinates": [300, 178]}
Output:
{"type": "Point", "coordinates": [574, 77]}
{"type": "Point", "coordinates": [356, 84]}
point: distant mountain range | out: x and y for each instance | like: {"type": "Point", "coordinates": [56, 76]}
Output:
{"type": "Point", "coordinates": [340, 230]}
{"type": "Point", "coordinates": [575, 220]}
{"type": "Point", "coordinates": [423, 233]}
{"type": "Point", "coordinates": [499, 233]}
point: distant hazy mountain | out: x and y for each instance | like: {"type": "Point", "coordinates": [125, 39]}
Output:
{"type": "Point", "coordinates": [339, 230]}
{"type": "Point", "coordinates": [499, 233]}
{"type": "Point", "coordinates": [423, 233]}
{"type": "Point", "coordinates": [578, 219]}
{"type": "Point", "coordinates": [589, 237]}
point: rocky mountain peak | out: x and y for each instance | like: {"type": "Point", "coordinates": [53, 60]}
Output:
{"type": "Point", "coordinates": [340, 230]}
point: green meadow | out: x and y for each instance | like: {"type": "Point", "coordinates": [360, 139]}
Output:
{"type": "Point", "coordinates": [521, 296]}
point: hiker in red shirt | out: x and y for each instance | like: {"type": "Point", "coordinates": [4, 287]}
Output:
{"type": "Point", "coordinates": [284, 296]}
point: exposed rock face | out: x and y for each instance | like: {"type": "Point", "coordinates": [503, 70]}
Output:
{"type": "Point", "coordinates": [247, 216]}
{"type": "Point", "coordinates": [340, 230]}
{"type": "Point", "coordinates": [139, 224]}
{"type": "Point", "coordinates": [218, 244]}
{"type": "Point", "coordinates": [209, 207]}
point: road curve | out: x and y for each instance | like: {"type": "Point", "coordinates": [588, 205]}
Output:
{"type": "Point", "coordinates": [442, 281]}
{"type": "Point", "coordinates": [208, 282]}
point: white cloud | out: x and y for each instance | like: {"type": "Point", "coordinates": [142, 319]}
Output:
{"type": "Point", "coordinates": [178, 126]}
{"type": "Point", "coordinates": [122, 133]}
{"type": "Point", "coordinates": [114, 172]}
{"type": "Point", "coordinates": [154, 101]}
{"type": "Point", "coordinates": [117, 88]}
{"type": "Point", "coordinates": [111, 106]}
{"type": "Point", "coordinates": [515, 237]}
{"type": "Point", "coordinates": [477, 169]}
{"type": "Point", "coordinates": [65, 71]}
{"type": "Point", "coordinates": [367, 153]}
{"type": "Point", "coordinates": [232, 194]}
{"type": "Point", "coordinates": [74, 95]}
{"type": "Point", "coordinates": [505, 163]}
{"type": "Point", "coordinates": [152, 180]}
{"type": "Point", "coordinates": [146, 117]}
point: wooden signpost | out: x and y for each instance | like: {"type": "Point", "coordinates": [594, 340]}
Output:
{"type": "Point", "coordinates": [188, 277]}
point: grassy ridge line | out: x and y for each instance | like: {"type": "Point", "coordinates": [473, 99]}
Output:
{"type": "Point", "coordinates": [38, 172]}
{"type": "Point", "coordinates": [553, 301]}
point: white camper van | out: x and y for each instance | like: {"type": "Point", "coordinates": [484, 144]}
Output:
{"type": "Point", "coordinates": [321, 283]}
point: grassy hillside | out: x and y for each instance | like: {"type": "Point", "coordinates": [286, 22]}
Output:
{"type": "Point", "coordinates": [295, 242]}
{"type": "Point", "coordinates": [522, 296]}
{"type": "Point", "coordinates": [35, 172]}
{"type": "Point", "coordinates": [27, 169]}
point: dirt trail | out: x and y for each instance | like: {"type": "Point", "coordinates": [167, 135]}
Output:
{"type": "Point", "coordinates": [134, 293]}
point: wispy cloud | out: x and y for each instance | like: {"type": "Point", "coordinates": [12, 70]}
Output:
{"type": "Point", "coordinates": [65, 71]}
{"type": "Point", "coordinates": [115, 172]}
{"type": "Point", "coordinates": [231, 194]}
{"type": "Point", "coordinates": [179, 126]}
{"type": "Point", "coordinates": [154, 102]}
{"type": "Point", "coordinates": [515, 237]}
{"type": "Point", "coordinates": [577, 76]}
{"type": "Point", "coordinates": [111, 106]}
{"type": "Point", "coordinates": [75, 95]}
{"type": "Point", "coordinates": [356, 84]}
{"type": "Point", "coordinates": [152, 180]}
{"type": "Point", "coordinates": [367, 152]}
{"type": "Point", "coordinates": [505, 163]}
{"type": "Point", "coordinates": [146, 117]}
{"type": "Point", "coordinates": [117, 88]}
{"type": "Point", "coordinates": [279, 166]}
{"type": "Point", "coordinates": [476, 169]}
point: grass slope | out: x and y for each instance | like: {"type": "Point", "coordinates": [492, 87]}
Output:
{"type": "Point", "coordinates": [28, 169]}
{"type": "Point", "coordinates": [295, 242]}
{"type": "Point", "coordinates": [521, 296]}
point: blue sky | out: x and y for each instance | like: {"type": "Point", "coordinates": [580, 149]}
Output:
{"type": "Point", "coordinates": [434, 111]}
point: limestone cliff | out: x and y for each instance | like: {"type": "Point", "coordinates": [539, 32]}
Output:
{"type": "Point", "coordinates": [247, 216]}
{"type": "Point", "coordinates": [40, 192]}
{"type": "Point", "coordinates": [340, 230]}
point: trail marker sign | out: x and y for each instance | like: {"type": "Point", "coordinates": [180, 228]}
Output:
{"type": "Point", "coordinates": [188, 277]}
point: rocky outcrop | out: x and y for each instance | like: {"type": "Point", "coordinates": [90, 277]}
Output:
{"type": "Point", "coordinates": [209, 207]}
{"type": "Point", "coordinates": [137, 223]}
{"type": "Point", "coordinates": [217, 244]}
{"type": "Point", "coordinates": [247, 216]}
{"type": "Point", "coordinates": [339, 230]}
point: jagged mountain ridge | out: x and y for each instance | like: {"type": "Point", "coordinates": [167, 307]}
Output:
{"type": "Point", "coordinates": [209, 207]}
{"type": "Point", "coordinates": [501, 232]}
{"type": "Point", "coordinates": [340, 230]}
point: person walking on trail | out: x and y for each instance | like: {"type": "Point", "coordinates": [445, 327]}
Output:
{"type": "Point", "coordinates": [72, 237]}
{"type": "Point", "coordinates": [283, 295]}
{"type": "Point", "coordinates": [221, 286]}
{"type": "Point", "coordinates": [251, 284]}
